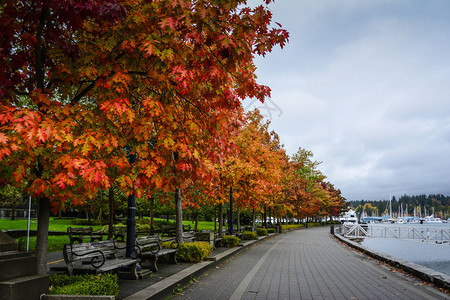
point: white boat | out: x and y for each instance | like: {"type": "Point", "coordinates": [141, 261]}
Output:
{"type": "Point", "coordinates": [349, 217]}
{"type": "Point", "coordinates": [431, 219]}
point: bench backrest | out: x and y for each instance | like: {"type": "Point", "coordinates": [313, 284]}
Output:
{"type": "Point", "coordinates": [148, 241]}
{"type": "Point", "coordinates": [80, 231]}
{"type": "Point", "coordinates": [83, 251]}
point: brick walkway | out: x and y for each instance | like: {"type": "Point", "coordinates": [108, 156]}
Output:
{"type": "Point", "coordinates": [305, 264]}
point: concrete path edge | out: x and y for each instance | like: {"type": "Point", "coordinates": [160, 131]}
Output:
{"type": "Point", "coordinates": [438, 279]}
{"type": "Point", "coordinates": [165, 287]}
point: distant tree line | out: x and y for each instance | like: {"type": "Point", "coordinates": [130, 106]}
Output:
{"type": "Point", "coordinates": [406, 205]}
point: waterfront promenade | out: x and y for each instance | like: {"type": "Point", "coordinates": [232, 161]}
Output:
{"type": "Point", "coordinates": [301, 264]}
{"type": "Point", "coordinates": [306, 264]}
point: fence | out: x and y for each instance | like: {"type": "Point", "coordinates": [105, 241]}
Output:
{"type": "Point", "coordinates": [438, 234]}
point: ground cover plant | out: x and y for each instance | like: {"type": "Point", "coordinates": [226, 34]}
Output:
{"type": "Point", "coordinates": [104, 284]}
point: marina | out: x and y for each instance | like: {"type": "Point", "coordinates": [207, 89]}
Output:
{"type": "Point", "coordinates": [423, 244]}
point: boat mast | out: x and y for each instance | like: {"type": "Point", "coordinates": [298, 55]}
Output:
{"type": "Point", "coordinates": [390, 206]}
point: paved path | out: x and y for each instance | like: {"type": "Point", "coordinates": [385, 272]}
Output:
{"type": "Point", "coordinates": [306, 264]}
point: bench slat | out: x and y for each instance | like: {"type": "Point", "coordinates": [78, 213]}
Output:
{"type": "Point", "coordinates": [97, 257]}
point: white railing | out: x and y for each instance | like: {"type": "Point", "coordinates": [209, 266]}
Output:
{"type": "Point", "coordinates": [397, 232]}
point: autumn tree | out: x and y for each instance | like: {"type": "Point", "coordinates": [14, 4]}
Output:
{"type": "Point", "coordinates": [83, 81]}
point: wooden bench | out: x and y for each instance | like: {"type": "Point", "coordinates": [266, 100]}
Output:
{"type": "Point", "coordinates": [79, 234]}
{"type": "Point", "coordinates": [189, 236]}
{"type": "Point", "coordinates": [97, 257]}
{"type": "Point", "coordinates": [208, 236]}
{"type": "Point", "coordinates": [144, 232]}
{"type": "Point", "coordinates": [151, 250]}
{"type": "Point", "coordinates": [168, 230]}
{"type": "Point", "coordinates": [119, 233]}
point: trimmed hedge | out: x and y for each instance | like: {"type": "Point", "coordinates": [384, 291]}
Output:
{"type": "Point", "coordinates": [294, 226]}
{"type": "Point", "coordinates": [261, 231]}
{"type": "Point", "coordinates": [271, 230]}
{"type": "Point", "coordinates": [249, 235]}
{"type": "Point", "coordinates": [193, 251]}
{"type": "Point", "coordinates": [104, 284]}
{"type": "Point", "coordinates": [230, 241]}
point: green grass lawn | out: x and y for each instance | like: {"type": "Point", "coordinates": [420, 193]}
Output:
{"type": "Point", "coordinates": [55, 243]}
{"type": "Point", "coordinates": [54, 225]}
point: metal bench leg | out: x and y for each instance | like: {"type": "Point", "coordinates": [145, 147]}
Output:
{"type": "Point", "coordinates": [133, 272]}
{"type": "Point", "coordinates": [152, 262]}
{"type": "Point", "coordinates": [173, 258]}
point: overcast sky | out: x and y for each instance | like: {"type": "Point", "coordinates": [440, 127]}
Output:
{"type": "Point", "coordinates": [365, 85]}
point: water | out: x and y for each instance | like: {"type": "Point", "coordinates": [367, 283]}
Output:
{"type": "Point", "coordinates": [428, 254]}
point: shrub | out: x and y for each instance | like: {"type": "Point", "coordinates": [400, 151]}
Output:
{"type": "Point", "coordinates": [105, 284]}
{"type": "Point", "coordinates": [249, 235]}
{"type": "Point", "coordinates": [116, 226]}
{"type": "Point", "coordinates": [294, 226]}
{"type": "Point", "coordinates": [261, 231]}
{"type": "Point", "coordinates": [271, 230]}
{"type": "Point", "coordinates": [193, 251]}
{"type": "Point", "coordinates": [230, 241]}
{"type": "Point", "coordinates": [169, 244]}
{"type": "Point", "coordinates": [314, 224]}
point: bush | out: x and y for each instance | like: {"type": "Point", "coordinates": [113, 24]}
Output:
{"type": "Point", "coordinates": [249, 235]}
{"type": "Point", "coordinates": [193, 251]}
{"type": "Point", "coordinates": [105, 284]}
{"type": "Point", "coordinates": [294, 226]}
{"type": "Point", "coordinates": [230, 241]}
{"type": "Point", "coordinates": [261, 231]}
{"type": "Point", "coordinates": [117, 226]}
{"type": "Point", "coordinates": [314, 224]}
{"type": "Point", "coordinates": [271, 230]}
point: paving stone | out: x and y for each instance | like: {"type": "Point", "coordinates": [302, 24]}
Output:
{"type": "Point", "coordinates": [308, 264]}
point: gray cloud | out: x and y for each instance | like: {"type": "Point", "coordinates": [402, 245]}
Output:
{"type": "Point", "coordinates": [366, 87]}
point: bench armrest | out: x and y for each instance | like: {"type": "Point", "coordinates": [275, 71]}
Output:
{"type": "Point", "coordinates": [135, 248]}
{"type": "Point", "coordinates": [94, 262]}
{"type": "Point", "coordinates": [175, 243]}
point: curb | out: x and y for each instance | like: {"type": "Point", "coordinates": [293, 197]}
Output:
{"type": "Point", "coordinates": [75, 297]}
{"type": "Point", "coordinates": [164, 288]}
{"type": "Point", "coordinates": [439, 279]}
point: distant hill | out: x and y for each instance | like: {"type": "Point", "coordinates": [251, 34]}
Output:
{"type": "Point", "coordinates": [439, 204]}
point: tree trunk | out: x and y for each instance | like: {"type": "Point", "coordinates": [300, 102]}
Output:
{"type": "Point", "coordinates": [42, 235]}
{"type": "Point", "coordinates": [152, 215]}
{"type": "Point", "coordinates": [196, 222]}
{"type": "Point", "coordinates": [265, 217]}
{"type": "Point", "coordinates": [238, 222]}
{"type": "Point", "coordinates": [111, 212]}
{"type": "Point", "coordinates": [179, 216]}
{"type": "Point", "coordinates": [253, 219]}
{"type": "Point", "coordinates": [13, 210]}
{"type": "Point", "coordinates": [215, 218]}
{"type": "Point", "coordinates": [220, 219]}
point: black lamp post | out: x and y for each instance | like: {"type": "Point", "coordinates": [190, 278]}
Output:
{"type": "Point", "coordinates": [131, 218]}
